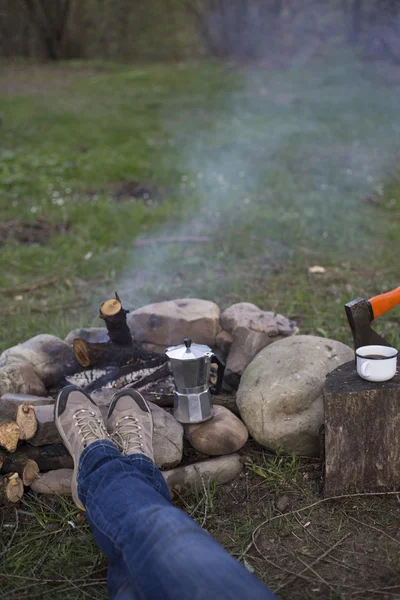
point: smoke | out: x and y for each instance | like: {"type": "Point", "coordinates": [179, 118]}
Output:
{"type": "Point", "coordinates": [270, 159]}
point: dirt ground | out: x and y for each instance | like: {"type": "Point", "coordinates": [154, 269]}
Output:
{"type": "Point", "coordinates": [276, 521]}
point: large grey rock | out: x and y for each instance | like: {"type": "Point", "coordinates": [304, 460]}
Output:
{"type": "Point", "coordinates": [223, 434]}
{"type": "Point", "coordinates": [252, 329]}
{"type": "Point", "coordinates": [20, 378]}
{"type": "Point", "coordinates": [280, 393]}
{"type": "Point", "coordinates": [167, 432]}
{"type": "Point", "coordinates": [47, 354]}
{"type": "Point", "coordinates": [88, 334]}
{"type": "Point", "coordinates": [168, 323]}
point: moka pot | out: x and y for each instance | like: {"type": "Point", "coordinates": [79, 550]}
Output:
{"type": "Point", "coordinates": [190, 365]}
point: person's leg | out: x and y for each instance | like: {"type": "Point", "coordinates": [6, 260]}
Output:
{"type": "Point", "coordinates": [155, 550]}
{"type": "Point", "coordinates": [165, 553]}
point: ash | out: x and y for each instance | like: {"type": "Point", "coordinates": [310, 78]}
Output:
{"type": "Point", "coordinates": [85, 378]}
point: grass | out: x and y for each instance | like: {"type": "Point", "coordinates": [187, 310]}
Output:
{"type": "Point", "coordinates": [282, 170]}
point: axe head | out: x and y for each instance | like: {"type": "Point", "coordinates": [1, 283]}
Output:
{"type": "Point", "coordinates": [360, 316]}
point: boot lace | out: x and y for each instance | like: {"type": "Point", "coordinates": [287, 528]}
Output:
{"type": "Point", "coordinates": [90, 427]}
{"type": "Point", "coordinates": [127, 435]}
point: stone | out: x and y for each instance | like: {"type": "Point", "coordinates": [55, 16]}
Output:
{"type": "Point", "coordinates": [180, 480]}
{"type": "Point", "coordinates": [252, 329]}
{"type": "Point", "coordinates": [223, 434]}
{"type": "Point", "coordinates": [20, 378]}
{"type": "Point", "coordinates": [280, 396]}
{"type": "Point", "coordinates": [223, 342]}
{"type": "Point", "coordinates": [48, 355]}
{"type": "Point", "coordinates": [199, 475]}
{"type": "Point", "coordinates": [167, 432]}
{"type": "Point", "coordinates": [282, 503]}
{"type": "Point", "coordinates": [54, 482]}
{"type": "Point", "coordinates": [88, 334]}
{"type": "Point", "coordinates": [245, 314]}
{"type": "Point", "coordinates": [47, 432]}
{"type": "Point", "coordinates": [168, 323]}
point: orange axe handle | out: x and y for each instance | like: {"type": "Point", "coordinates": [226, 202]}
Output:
{"type": "Point", "coordinates": [384, 302]}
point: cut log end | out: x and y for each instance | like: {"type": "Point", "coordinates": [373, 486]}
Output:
{"type": "Point", "coordinates": [19, 463]}
{"type": "Point", "coordinates": [26, 420]}
{"type": "Point", "coordinates": [30, 472]}
{"type": "Point", "coordinates": [81, 352]}
{"type": "Point", "coordinates": [110, 307]}
{"type": "Point", "coordinates": [9, 435]}
{"type": "Point", "coordinates": [11, 489]}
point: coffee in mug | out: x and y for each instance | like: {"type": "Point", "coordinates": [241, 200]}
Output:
{"type": "Point", "coordinates": [376, 363]}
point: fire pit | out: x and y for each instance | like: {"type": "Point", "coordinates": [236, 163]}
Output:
{"type": "Point", "coordinates": [130, 352]}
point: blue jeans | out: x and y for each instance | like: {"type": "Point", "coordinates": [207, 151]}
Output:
{"type": "Point", "coordinates": [155, 550]}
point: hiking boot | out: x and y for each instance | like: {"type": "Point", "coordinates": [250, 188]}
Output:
{"type": "Point", "coordinates": [79, 423]}
{"type": "Point", "coordinates": [130, 423]}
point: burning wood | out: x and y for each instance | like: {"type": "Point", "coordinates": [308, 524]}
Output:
{"type": "Point", "coordinates": [119, 350]}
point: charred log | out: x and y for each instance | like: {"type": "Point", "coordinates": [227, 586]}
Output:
{"type": "Point", "coordinates": [92, 354]}
{"type": "Point", "coordinates": [114, 317]}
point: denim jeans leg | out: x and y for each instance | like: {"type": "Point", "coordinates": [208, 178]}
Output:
{"type": "Point", "coordinates": [164, 553]}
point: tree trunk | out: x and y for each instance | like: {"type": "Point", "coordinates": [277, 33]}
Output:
{"type": "Point", "coordinates": [26, 468]}
{"type": "Point", "coordinates": [11, 489]}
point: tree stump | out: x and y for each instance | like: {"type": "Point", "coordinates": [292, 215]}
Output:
{"type": "Point", "coordinates": [362, 440]}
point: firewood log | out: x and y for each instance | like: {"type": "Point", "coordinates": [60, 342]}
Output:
{"type": "Point", "coordinates": [114, 317]}
{"type": "Point", "coordinates": [53, 482]}
{"type": "Point", "coordinates": [9, 403]}
{"type": "Point", "coordinates": [46, 428]}
{"type": "Point", "coordinates": [9, 434]}
{"type": "Point", "coordinates": [19, 463]}
{"type": "Point", "coordinates": [23, 414]}
{"type": "Point", "coordinates": [26, 421]}
{"type": "Point", "coordinates": [120, 349]}
{"type": "Point", "coordinates": [49, 457]}
{"type": "Point", "coordinates": [11, 489]}
{"type": "Point", "coordinates": [91, 354]}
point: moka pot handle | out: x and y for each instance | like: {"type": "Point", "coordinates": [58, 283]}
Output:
{"type": "Point", "coordinates": [215, 389]}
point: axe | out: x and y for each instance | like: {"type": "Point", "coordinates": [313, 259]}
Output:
{"type": "Point", "coordinates": [360, 314]}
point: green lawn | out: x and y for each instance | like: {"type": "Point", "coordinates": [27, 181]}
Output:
{"type": "Point", "coordinates": [282, 169]}
{"type": "Point", "coordinates": [273, 166]}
